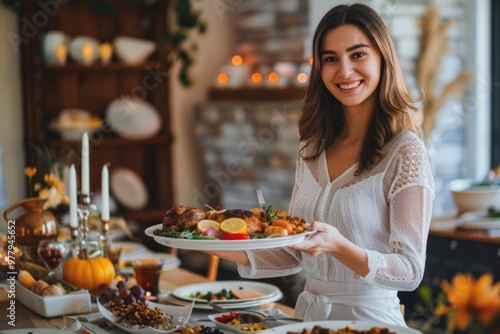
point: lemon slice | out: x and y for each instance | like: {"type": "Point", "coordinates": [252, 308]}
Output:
{"type": "Point", "coordinates": [203, 225]}
{"type": "Point", "coordinates": [233, 225]}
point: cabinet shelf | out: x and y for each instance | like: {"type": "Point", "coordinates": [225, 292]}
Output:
{"type": "Point", "coordinates": [109, 141]}
{"type": "Point", "coordinates": [111, 67]}
{"type": "Point", "coordinates": [49, 89]}
{"type": "Point", "coordinates": [257, 93]}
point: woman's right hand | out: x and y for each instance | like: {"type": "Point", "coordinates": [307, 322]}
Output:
{"type": "Point", "coordinates": [239, 257]}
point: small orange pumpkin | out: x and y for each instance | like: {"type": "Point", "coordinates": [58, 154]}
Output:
{"type": "Point", "coordinates": [88, 273]}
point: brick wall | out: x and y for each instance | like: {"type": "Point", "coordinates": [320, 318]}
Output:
{"type": "Point", "coordinates": [276, 30]}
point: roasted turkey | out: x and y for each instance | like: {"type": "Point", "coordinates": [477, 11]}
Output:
{"type": "Point", "coordinates": [253, 222]}
{"type": "Point", "coordinates": [182, 217]}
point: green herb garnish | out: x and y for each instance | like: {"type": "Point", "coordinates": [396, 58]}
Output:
{"type": "Point", "coordinates": [186, 234]}
{"type": "Point", "coordinates": [270, 214]}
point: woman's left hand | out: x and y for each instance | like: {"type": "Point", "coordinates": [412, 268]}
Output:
{"type": "Point", "coordinates": [324, 241]}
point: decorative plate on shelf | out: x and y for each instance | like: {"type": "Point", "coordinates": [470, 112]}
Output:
{"type": "Point", "coordinates": [128, 188]}
{"type": "Point", "coordinates": [133, 118]}
{"type": "Point", "coordinates": [195, 244]}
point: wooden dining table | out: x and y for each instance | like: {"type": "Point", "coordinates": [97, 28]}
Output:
{"type": "Point", "coordinates": [169, 280]}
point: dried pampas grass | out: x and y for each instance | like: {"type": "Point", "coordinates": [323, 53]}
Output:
{"type": "Point", "coordinates": [434, 44]}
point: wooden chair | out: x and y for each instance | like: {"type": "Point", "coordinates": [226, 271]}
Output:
{"type": "Point", "coordinates": [213, 268]}
{"type": "Point", "coordinates": [213, 265]}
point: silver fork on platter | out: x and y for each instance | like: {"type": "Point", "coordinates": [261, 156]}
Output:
{"type": "Point", "coordinates": [260, 198]}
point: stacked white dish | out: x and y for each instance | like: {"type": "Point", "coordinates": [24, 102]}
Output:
{"type": "Point", "coordinates": [268, 294]}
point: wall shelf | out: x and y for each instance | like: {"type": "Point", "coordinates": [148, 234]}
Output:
{"type": "Point", "coordinates": [49, 89]}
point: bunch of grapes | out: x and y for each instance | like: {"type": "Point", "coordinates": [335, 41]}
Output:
{"type": "Point", "coordinates": [121, 295]}
{"type": "Point", "coordinates": [52, 257]}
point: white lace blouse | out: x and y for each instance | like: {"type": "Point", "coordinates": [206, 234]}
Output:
{"type": "Point", "coordinates": [387, 211]}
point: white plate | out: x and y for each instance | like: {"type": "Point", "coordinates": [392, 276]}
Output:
{"type": "Point", "coordinates": [131, 250]}
{"type": "Point", "coordinates": [35, 331]}
{"type": "Point", "coordinates": [129, 189]}
{"type": "Point", "coordinates": [266, 290]}
{"type": "Point", "coordinates": [133, 118]}
{"type": "Point", "coordinates": [75, 48]}
{"type": "Point", "coordinates": [232, 306]}
{"type": "Point", "coordinates": [360, 325]}
{"type": "Point", "coordinates": [180, 315]}
{"type": "Point", "coordinates": [168, 261]}
{"type": "Point", "coordinates": [479, 220]}
{"type": "Point", "coordinates": [227, 244]}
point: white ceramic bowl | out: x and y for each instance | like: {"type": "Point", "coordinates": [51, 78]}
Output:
{"type": "Point", "coordinates": [469, 196]}
{"type": "Point", "coordinates": [50, 41]}
{"type": "Point", "coordinates": [76, 45]}
{"type": "Point", "coordinates": [72, 123]}
{"type": "Point", "coordinates": [132, 50]}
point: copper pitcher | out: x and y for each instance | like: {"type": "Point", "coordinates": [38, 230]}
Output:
{"type": "Point", "coordinates": [34, 224]}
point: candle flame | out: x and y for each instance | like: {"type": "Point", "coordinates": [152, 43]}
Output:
{"type": "Point", "coordinates": [237, 60]}
{"type": "Point", "coordinates": [274, 77]}
{"type": "Point", "coordinates": [256, 78]}
{"type": "Point", "coordinates": [222, 78]}
{"type": "Point", "coordinates": [302, 78]}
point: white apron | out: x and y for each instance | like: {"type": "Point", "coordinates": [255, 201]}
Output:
{"type": "Point", "coordinates": [323, 300]}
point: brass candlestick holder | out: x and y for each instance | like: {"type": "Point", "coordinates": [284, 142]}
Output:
{"type": "Point", "coordinates": [106, 239]}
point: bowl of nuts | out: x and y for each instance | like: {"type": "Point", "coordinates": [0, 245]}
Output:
{"type": "Point", "coordinates": [141, 316]}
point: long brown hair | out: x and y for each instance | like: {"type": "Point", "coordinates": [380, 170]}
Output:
{"type": "Point", "coordinates": [322, 116]}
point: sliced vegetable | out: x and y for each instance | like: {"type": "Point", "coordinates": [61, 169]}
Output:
{"type": "Point", "coordinates": [235, 236]}
{"type": "Point", "coordinates": [270, 230]}
{"type": "Point", "coordinates": [204, 237]}
{"type": "Point", "coordinates": [283, 223]}
{"type": "Point", "coordinates": [212, 232]}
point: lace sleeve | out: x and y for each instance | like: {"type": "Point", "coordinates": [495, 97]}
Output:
{"type": "Point", "coordinates": [274, 262]}
{"type": "Point", "coordinates": [410, 197]}
{"type": "Point", "coordinates": [271, 263]}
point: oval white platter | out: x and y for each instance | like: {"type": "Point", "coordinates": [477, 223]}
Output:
{"type": "Point", "coordinates": [197, 244]}
{"type": "Point", "coordinates": [335, 325]}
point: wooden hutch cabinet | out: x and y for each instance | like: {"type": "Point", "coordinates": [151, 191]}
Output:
{"type": "Point", "coordinates": [49, 89]}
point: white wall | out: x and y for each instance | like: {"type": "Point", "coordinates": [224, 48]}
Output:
{"type": "Point", "coordinates": [215, 48]}
{"type": "Point", "coordinates": [11, 127]}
